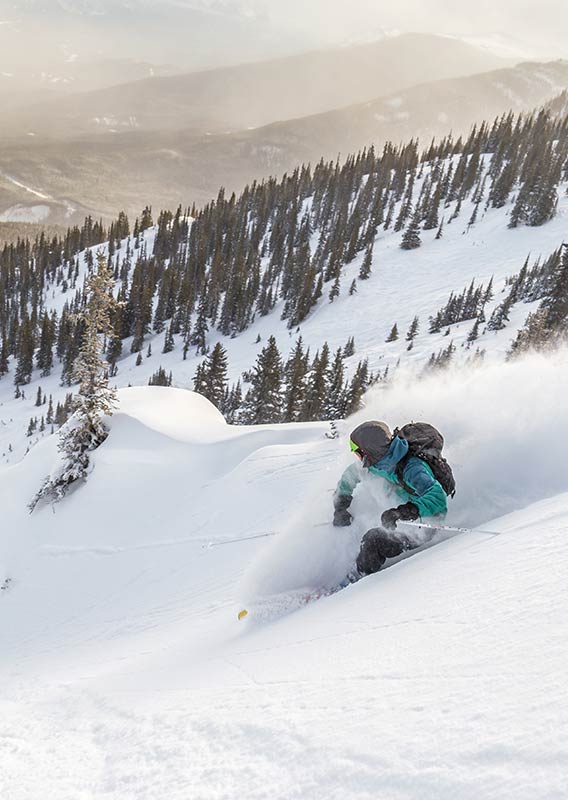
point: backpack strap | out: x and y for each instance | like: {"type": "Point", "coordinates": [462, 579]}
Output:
{"type": "Point", "coordinates": [399, 472]}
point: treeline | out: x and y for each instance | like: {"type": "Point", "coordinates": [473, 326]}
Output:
{"type": "Point", "coordinates": [547, 327]}
{"type": "Point", "coordinates": [298, 389]}
{"type": "Point", "coordinates": [280, 242]}
{"type": "Point", "coordinates": [461, 307]}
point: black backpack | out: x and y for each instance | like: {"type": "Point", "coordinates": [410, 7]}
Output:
{"type": "Point", "coordinates": [426, 443]}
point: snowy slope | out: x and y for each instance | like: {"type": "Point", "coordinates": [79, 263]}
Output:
{"type": "Point", "coordinates": [125, 671]}
{"type": "Point", "coordinates": [402, 284]}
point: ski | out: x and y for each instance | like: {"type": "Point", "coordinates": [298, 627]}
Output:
{"type": "Point", "coordinates": [450, 528]}
{"type": "Point", "coordinates": [271, 608]}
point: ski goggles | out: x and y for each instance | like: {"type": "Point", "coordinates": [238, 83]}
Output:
{"type": "Point", "coordinates": [356, 449]}
{"type": "Point", "coordinates": [360, 453]}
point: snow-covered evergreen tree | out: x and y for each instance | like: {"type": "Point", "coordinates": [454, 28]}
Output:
{"type": "Point", "coordinates": [96, 399]}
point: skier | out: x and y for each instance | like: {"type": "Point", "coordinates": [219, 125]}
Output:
{"type": "Point", "coordinates": [414, 479]}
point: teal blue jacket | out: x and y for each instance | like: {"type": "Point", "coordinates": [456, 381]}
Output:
{"type": "Point", "coordinates": [430, 498]}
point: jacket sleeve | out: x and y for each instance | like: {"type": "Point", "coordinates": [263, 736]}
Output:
{"type": "Point", "coordinates": [430, 498]}
{"type": "Point", "coordinates": [346, 486]}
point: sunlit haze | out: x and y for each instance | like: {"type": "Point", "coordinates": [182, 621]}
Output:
{"type": "Point", "coordinates": [539, 29]}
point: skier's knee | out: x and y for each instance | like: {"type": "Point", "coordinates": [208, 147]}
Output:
{"type": "Point", "coordinates": [371, 558]}
{"type": "Point", "coordinates": [377, 545]}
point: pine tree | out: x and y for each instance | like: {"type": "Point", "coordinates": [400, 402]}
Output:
{"type": "Point", "coordinates": [474, 333]}
{"type": "Point", "coordinates": [146, 221]}
{"type": "Point", "coordinates": [357, 388]}
{"type": "Point", "coordinates": [318, 381]}
{"type": "Point", "coordinates": [25, 364]}
{"type": "Point", "coordinates": [168, 340]}
{"type": "Point", "coordinates": [334, 291]}
{"type": "Point", "coordinates": [500, 316]}
{"type": "Point", "coordinates": [263, 401]}
{"type": "Point", "coordinates": [335, 399]}
{"type": "Point", "coordinates": [160, 378]}
{"type": "Point", "coordinates": [393, 335]}
{"type": "Point", "coordinates": [295, 374]}
{"type": "Point", "coordinates": [349, 349]}
{"type": "Point", "coordinates": [212, 379]}
{"type": "Point", "coordinates": [411, 237]}
{"type": "Point", "coordinates": [199, 334]}
{"type": "Point", "coordinates": [232, 403]}
{"type": "Point", "coordinates": [95, 399]}
{"type": "Point", "coordinates": [44, 358]}
{"type": "Point", "coordinates": [4, 355]}
{"type": "Point", "coordinates": [365, 270]}
{"type": "Point", "coordinates": [49, 416]}
{"type": "Point", "coordinates": [199, 379]}
{"type": "Point", "coordinates": [413, 330]}
{"type": "Point", "coordinates": [114, 349]}
{"type": "Point", "coordinates": [555, 305]}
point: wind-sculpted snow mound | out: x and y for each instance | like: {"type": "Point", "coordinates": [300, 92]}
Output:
{"type": "Point", "coordinates": [177, 413]}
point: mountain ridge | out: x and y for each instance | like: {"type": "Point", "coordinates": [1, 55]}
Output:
{"type": "Point", "coordinates": [298, 83]}
{"type": "Point", "coordinates": [181, 167]}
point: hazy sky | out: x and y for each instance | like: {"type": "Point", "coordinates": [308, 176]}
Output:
{"type": "Point", "coordinates": [175, 32]}
{"type": "Point", "coordinates": [542, 24]}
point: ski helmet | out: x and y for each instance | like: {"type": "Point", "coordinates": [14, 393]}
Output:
{"type": "Point", "coordinates": [372, 439]}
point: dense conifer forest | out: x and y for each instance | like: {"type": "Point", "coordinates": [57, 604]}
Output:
{"type": "Point", "coordinates": [286, 242]}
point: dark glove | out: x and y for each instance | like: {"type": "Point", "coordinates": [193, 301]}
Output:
{"type": "Point", "coordinates": [342, 517]}
{"type": "Point", "coordinates": [407, 511]}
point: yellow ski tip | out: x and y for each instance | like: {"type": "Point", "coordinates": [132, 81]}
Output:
{"type": "Point", "coordinates": [243, 613]}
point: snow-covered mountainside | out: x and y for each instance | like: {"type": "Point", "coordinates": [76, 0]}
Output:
{"type": "Point", "coordinates": [402, 285]}
{"type": "Point", "coordinates": [126, 673]}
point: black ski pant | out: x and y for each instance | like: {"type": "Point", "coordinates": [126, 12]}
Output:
{"type": "Point", "coordinates": [378, 544]}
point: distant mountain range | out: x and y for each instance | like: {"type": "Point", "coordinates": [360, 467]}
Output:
{"type": "Point", "coordinates": [251, 95]}
{"type": "Point", "coordinates": [45, 180]}
{"type": "Point", "coordinates": [426, 110]}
